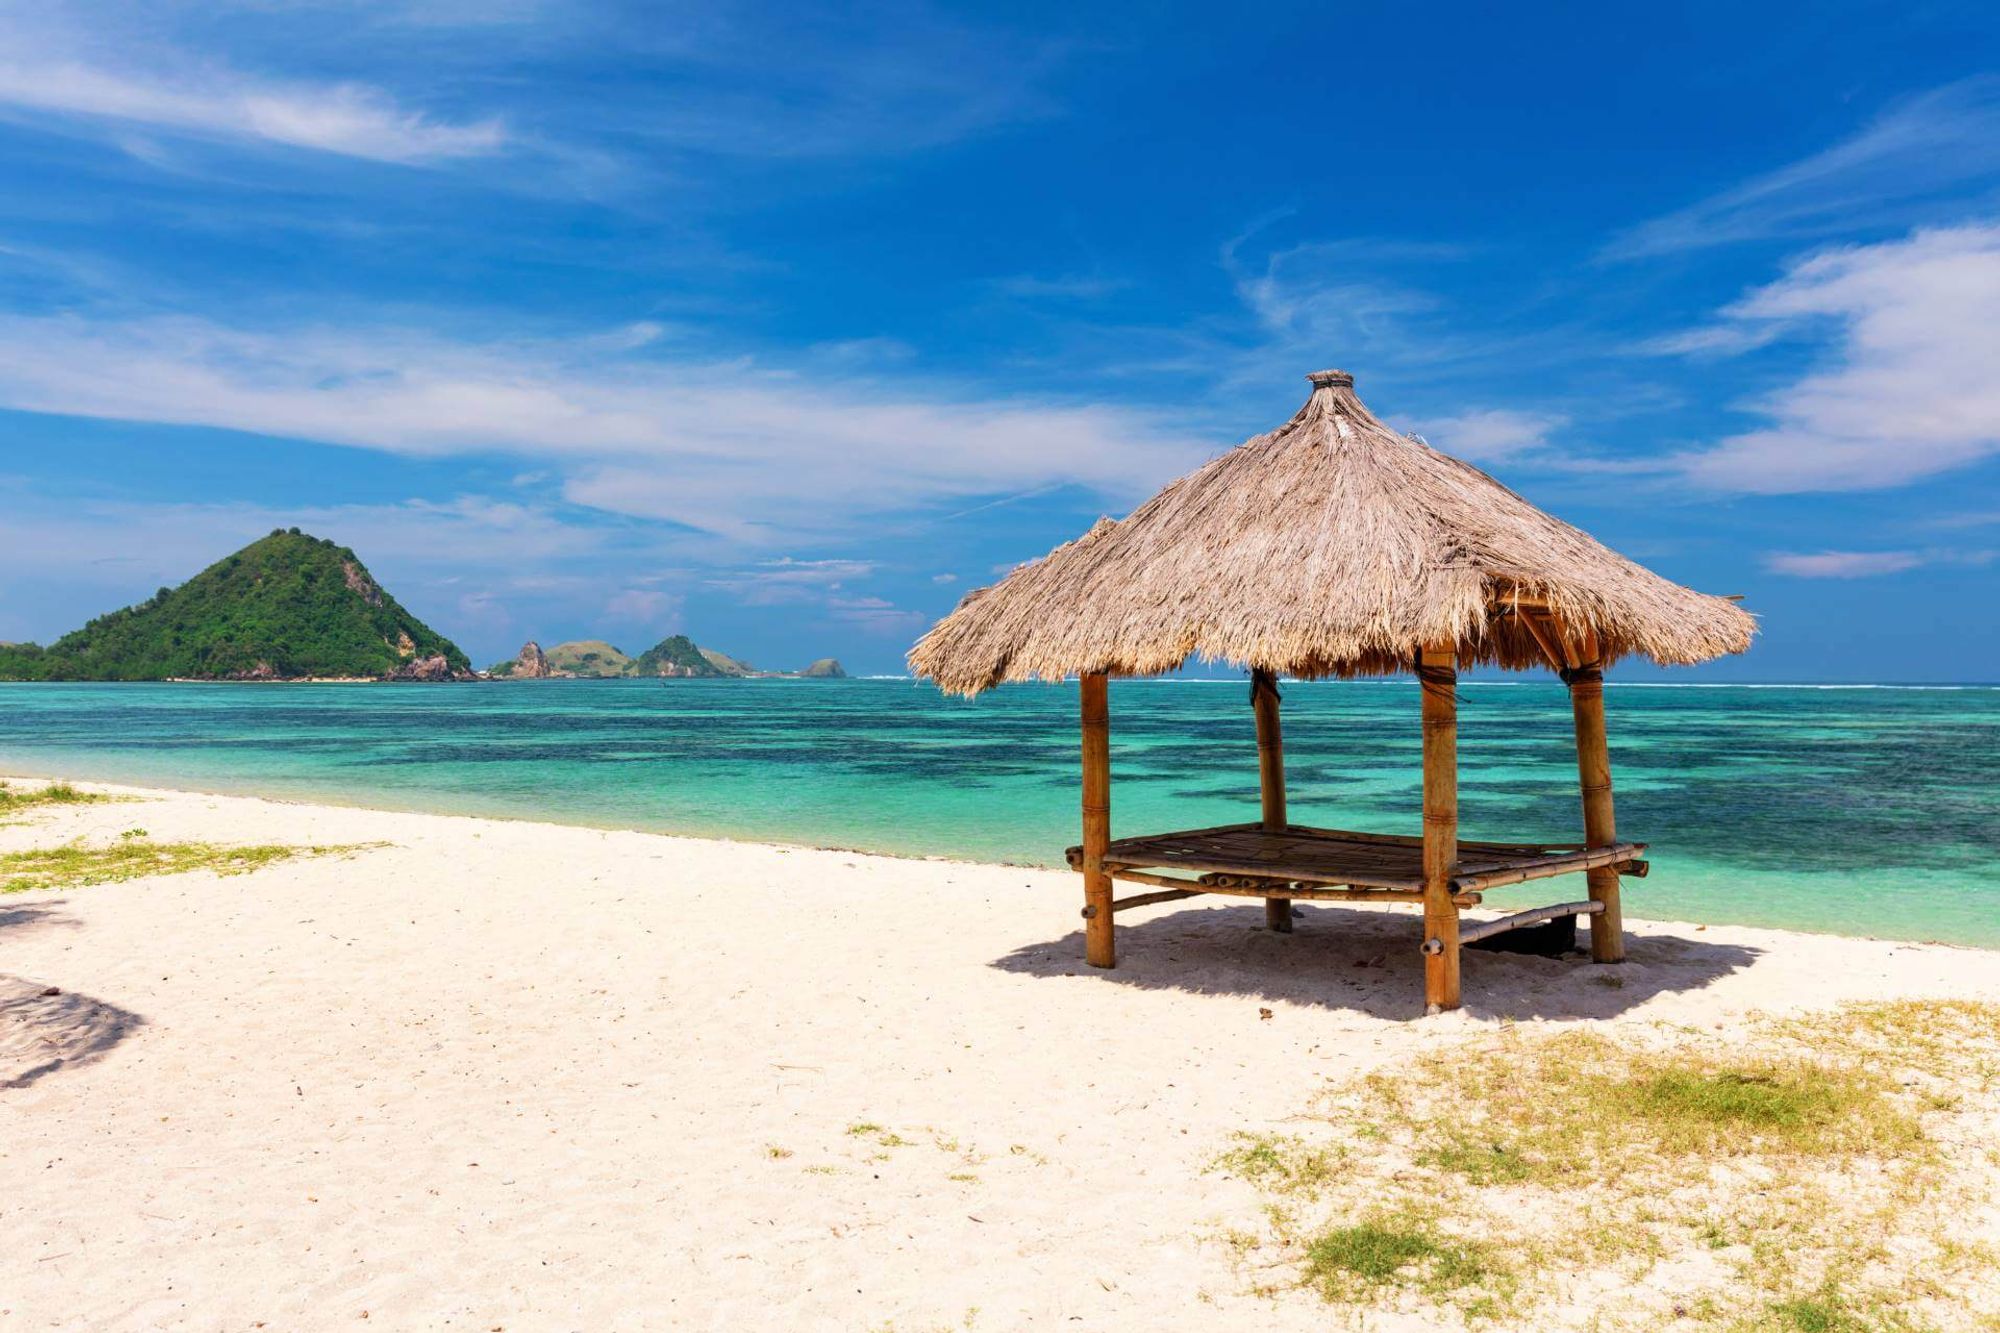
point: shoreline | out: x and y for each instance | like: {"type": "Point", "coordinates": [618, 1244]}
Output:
{"type": "Point", "coordinates": [478, 1072]}
{"type": "Point", "coordinates": [11, 774]}
{"type": "Point", "coordinates": [115, 786]}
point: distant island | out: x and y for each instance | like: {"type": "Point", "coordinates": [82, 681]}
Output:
{"type": "Point", "coordinates": [674, 656]}
{"type": "Point", "coordinates": [289, 606]}
{"type": "Point", "coordinates": [294, 607]}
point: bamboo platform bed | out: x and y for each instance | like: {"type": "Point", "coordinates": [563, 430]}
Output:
{"type": "Point", "coordinates": [1314, 864]}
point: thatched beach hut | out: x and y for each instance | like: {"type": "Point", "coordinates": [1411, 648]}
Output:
{"type": "Point", "coordinates": [1335, 546]}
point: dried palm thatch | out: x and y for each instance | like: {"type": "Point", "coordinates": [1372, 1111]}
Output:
{"type": "Point", "coordinates": [1333, 546]}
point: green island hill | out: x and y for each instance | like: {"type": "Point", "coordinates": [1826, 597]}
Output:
{"type": "Point", "coordinates": [289, 606]}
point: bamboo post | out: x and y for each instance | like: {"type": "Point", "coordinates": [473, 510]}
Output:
{"type": "Point", "coordinates": [1437, 672]}
{"type": "Point", "coordinates": [1270, 778]}
{"type": "Point", "coordinates": [1600, 825]}
{"type": "Point", "coordinates": [1098, 947]}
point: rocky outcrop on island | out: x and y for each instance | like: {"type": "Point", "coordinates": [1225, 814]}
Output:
{"type": "Point", "coordinates": [727, 665]}
{"type": "Point", "coordinates": [675, 657]}
{"type": "Point", "coordinates": [533, 663]}
{"type": "Point", "coordinates": [590, 659]}
{"type": "Point", "coordinates": [359, 583]}
{"type": "Point", "coordinates": [289, 606]}
{"type": "Point", "coordinates": [435, 667]}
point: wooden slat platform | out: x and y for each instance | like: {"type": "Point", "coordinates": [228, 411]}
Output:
{"type": "Point", "coordinates": [1337, 857]}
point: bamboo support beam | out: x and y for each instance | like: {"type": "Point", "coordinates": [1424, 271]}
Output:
{"type": "Point", "coordinates": [1148, 899]}
{"type": "Point", "coordinates": [1590, 652]}
{"type": "Point", "coordinates": [1158, 881]}
{"type": "Point", "coordinates": [1437, 672]}
{"type": "Point", "coordinates": [1600, 825]}
{"type": "Point", "coordinates": [1562, 863]}
{"type": "Point", "coordinates": [1313, 889]}
{"type": "Point", "coordinates": [1242, 887]}
{"type": "Point", "coordinates": [1270, 778]}
{"type": "Point", "coordinates": [1099, 950]}
{"type": "Point", "coordinates": [1314, 894]}
{"type": "Point", "coordinates": [1480, 930]}
{"type": "Point", "coordinates": [1544, 640]}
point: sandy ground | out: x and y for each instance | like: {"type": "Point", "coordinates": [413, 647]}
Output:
{"type": "Point", "coordinates": [516, 1076]}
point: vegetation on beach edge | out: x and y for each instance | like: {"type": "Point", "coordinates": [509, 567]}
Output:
{"type": "Point", "coordinates": [135, 855]}
{"type": "Point", "coordinates": [1810, 1174]}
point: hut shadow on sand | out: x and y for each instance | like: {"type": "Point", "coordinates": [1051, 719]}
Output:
{"type": "Point", "coordinates": [1352, 959]}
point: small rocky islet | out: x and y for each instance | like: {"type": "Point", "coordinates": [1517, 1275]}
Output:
{"type": "Point", "coordinates": [676, 656]}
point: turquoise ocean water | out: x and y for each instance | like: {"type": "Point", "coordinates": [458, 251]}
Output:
{"type": "Point", "coordinates": [1855, 810]}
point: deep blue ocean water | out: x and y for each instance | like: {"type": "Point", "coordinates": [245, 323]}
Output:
{"type": "Point", "coordinates": [1854, 810]}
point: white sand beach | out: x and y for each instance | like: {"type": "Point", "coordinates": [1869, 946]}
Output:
{"type": "Point", "coordinates": [501, 1075]}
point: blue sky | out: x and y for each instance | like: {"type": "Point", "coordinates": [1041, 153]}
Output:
{"type": "Point", "coordinates": [784, 326]}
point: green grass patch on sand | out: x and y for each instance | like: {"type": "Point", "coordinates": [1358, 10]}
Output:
{"type": "Point", "coordinates": [1353, 1261]}
{"type": "Point", "coordinates": [75, 865]}
{"type": "Point", "coordinates": [1809, 1174]}
{"type": "Point", "coordinates": [13, 800]}
{"type": "Point", "coordinates": [1578, 1106]}
{"type": "Point", "coordinates": [1807, 1107]}
{"type": "Point", "coordinates": [1281, 1164]}
{"type": "Point", "coordinates": [1480, 1163]}
{"type": "Point", "coordinates": [1827, 1311]}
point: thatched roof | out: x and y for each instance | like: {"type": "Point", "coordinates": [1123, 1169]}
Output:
{"type": "Point", "coordinates": [1332, 546]}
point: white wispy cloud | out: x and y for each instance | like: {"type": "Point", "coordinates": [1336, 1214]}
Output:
{"type": "Point", "coordinates": [495, 570]}
{"type": "Point", "coordinates": [1490, 435]}
{"type": "Point", "coordinates": [852, 355]}
{"type": "Point", "coordinates": [829, 573]}
{"type": "Point", "coordinates": [1841, 564]}
{"type": "Point", "coordinates": [832, 81]}
{"type": "Point", "coordinates": [774, 582]}
{"type": "Point", "coordinates": [1324, 294]}
{"type": "Point", "coordinates": [1369, 304]}
{"type": "Point", "coordinates": [213, 101]}
{"type": "Point", "coordinates": [1907, 388]}
{"type": "Point", "coordinates": [466, 563]}
{"type": "Point", "coordinates": [1866, 564]}
{"type": "Point", "coordinates": [755, 455]}
{"type": "Point", "coordinates": [1713, 340]}
{"type": "Point", "coordinates": [455, 13]}
{"type": "Point", "coordinates": [654, 608]}
{"type": "Point", "coordinates": [686, 88]}
{"type": "Point", "coordinates": [876, 615]}
{"type": "Point", "coordinates": [139, 543]}
{"type": "Point", "coordinates": [1905, 165]}
{"type": "Point", "coordinates": [1975, 518]}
